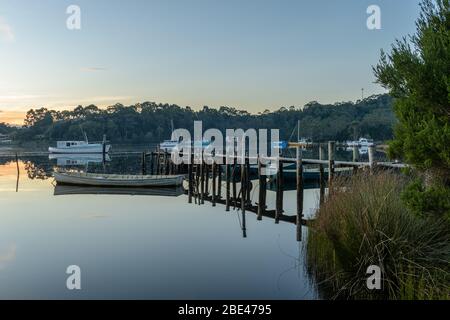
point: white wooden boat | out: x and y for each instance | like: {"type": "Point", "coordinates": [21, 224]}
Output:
{"type": "Point", "coordinates": [117, 180]}
{"type": "Point", "coordinates": [83, 147]}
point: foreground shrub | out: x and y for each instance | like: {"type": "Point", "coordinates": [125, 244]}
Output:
{"type": "Point", "coordinates": [364, 222]}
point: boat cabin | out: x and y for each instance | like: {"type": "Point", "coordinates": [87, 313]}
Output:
{"type": "Point", "coordinates": [70, 144]}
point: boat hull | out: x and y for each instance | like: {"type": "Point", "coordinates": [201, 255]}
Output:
{"type": "Point", "coordinates": [80, 150]}
{"type": "Point", "coordinates": [114, 180]}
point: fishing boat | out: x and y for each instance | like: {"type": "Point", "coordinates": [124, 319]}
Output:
{"type": "Point", "coordinates": [117, 180]}
{"type": "Point", "coordinates": [83, 147]}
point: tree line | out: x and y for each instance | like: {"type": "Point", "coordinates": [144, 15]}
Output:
{"type": "Point", "coordinates": [151, 122]}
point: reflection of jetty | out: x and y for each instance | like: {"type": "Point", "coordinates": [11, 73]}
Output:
{"type": "Point", "coordinates": [200, 174]}
{"type": "Point", "coordinates": [77, 190]}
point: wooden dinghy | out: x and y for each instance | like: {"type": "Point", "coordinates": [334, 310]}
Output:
{"type": "Point", "coordinates": [117, 180]}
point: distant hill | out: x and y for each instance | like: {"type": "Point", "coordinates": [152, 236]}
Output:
{"type": "Point", "coordinates": [148, 121]}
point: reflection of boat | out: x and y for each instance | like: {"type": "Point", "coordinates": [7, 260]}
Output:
{"type": "Point", "coordinates": [118, 180]}
{"type": "Point", "coordinates": [169, 145]}
{"type": "Point", "coordinates": [362, 142]}
{"type": "Point", "coordinates": [78, 159]}
{"type": "Point", "coordinates": [74, 190]}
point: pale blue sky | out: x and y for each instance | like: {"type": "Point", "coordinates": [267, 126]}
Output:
{"type": "Point", "coordinates": [251, 54]}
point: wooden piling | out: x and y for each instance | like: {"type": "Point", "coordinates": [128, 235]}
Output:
{"type": "Point", "coordinates": [248, 188]}
{"type": "Point", "coordinates": [190, 178]}
{"type": "Point", "coordinates": [262, 191]}
{"type": "Point", "coordinates": [227, 191]}
{"type": "Point", "coordinates": [213, 182]}
{"type": "Point", "coordinates": [144, 164]}
{"type": "Point", "coordinates": [202, 182]}
{"type": "Point", "coordinates": [331, 145]}
{"type": "Point", "coordinates": [158, 160]}
{"type": "Point", "coordinates": [372, 162]}
{"type": "Point", "coordinates": [243, 187]}
{"type": "Point", "coordinates": [321, 174]}
{"type": "Point", "coordinates": [299, 164]}
{"type": "Point", "coordinates": [279, 193]}
{"type": "Point", "coordinates": [219, 182]}
{"type": "Point", "coordinates": [233, 176]}
{"type": "Point", "coordinates": [18, 173]}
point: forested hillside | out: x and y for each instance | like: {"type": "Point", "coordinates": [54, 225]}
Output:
{"type": "Point", "coordinates": [148, 121]}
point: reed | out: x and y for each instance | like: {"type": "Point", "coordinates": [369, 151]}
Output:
{"type": "Point", "coordinates": [364, 222]}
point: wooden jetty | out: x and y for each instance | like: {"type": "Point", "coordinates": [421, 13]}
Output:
{"type": "Point", "coordinates": [202, 173]}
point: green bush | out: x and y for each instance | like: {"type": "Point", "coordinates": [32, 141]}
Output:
{"type": "Point", "coordinates": [364, 222]}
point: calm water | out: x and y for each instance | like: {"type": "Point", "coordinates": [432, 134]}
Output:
{"type": "Point", "coordinates": [140, 246]}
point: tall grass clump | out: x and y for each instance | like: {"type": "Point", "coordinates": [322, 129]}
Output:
{"type": "Point", "coordinates": [364, 222]}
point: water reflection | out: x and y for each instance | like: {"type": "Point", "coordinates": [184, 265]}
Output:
{"type": "Point", "coordinates": [79, 190]}
{"type": "Point", "coordinates": [63, 160]}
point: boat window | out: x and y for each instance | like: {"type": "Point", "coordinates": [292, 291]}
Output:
{"type": "Point", "coordinates": [68, 144]}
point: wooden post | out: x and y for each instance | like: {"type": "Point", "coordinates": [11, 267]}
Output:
{"type": "Point", "coordinates": [262, 191]}
{"type": "Point", "coordinates": [219, 182]}
{"type": "Point", "coordinates": [143, 164]}
{"type": "Point", "coordinates": [355, 154]}
{"type": "Point", "coordinates": [157, 161]}
{"type": "Point", "coordinates": [18, 173]}
{"type": "Point", "coordinates": [243, 187]}
{"type": "Point", "coordinates": [214, 172]}
{"type": "Point", "coordinates": [206, 178]}
{"type": "Point", "coordinates": [330, 162]}
{"type": "Point", "coordinates": [279, 193]}
{"type": "Point", "coordinates": [190, 178]}
{"type": "Point", "coordinates": [248, 188]}
{"type": "Point", "coordinates": [372, 162]}
{"type": "Point", "coordinates": [233, 176]}
{"type": "Point", "coordinates": [228, 180]}
{"type": "Point", "coordinates": [299, 164]}
{"type": "Point", "coordinates": [321, 174]}
{"type": "Point", "coordinates": [202, 182]}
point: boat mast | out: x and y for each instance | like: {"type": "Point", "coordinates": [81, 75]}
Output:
{"type": "Point", "coordinates": [298, 130]}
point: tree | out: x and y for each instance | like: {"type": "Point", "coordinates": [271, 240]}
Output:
{"type": "Point", "coordinates": [417, 74]}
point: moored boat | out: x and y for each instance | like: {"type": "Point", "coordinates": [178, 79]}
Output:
{"type": "Point", "coordinates": [117, 180]}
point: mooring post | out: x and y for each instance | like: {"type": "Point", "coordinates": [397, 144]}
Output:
{"type": "Point", "coordinates": [262, 191]}
{"type": "Point", "coordinates": [202, 182]}
{"type": "Point", "coordinates": [321, 173]}
{"type": "Point", "coordinates": [228, 182]}
{"type": "Point", "coordinates": [330, 163]}
{"type": "Point", "coordinates": [279, 192]}
{"type": "Point", "coordinates": [248, 188]}
{"type": "Point", "coordinates": [372, 162]}
{"type": "Point", "coordinates": [143, 164]}
{"type": "Point", "coordinates": [18, 172]}
{"type": "Point", "coordinates": [190, 177]}
{"type": "Point", "coordinates": [355, 154]}
{"type": "Point", "coordinates": [206, 179]}
{"type": "Point", "coordinates": [157, 160]}
{"type": "Point", "coordinates": [299, 164]}
{"type": "Point", "coordinates": [233, 176]}
{"type": "Point", "coordinates": [213, 182]}
{"type": "Point", "coordinates": [219, 181]}
{"type": "Point", "coordinates": [243, 187]}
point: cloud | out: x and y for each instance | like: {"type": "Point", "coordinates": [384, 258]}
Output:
{"type": "Point", "coordinates": [6, 32]}
{"type": "Point", "coordinates": [93, 69]}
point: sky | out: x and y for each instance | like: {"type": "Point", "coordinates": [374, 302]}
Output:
{"type": "Point", "coordinates": [248, 54]}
